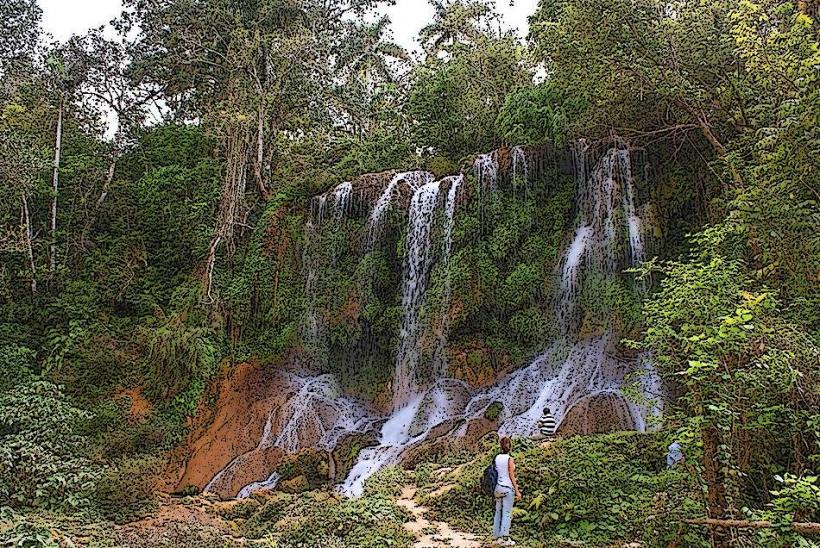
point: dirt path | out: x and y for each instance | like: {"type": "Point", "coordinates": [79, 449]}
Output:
{"type": "Point", "coordinates": [433, 534]}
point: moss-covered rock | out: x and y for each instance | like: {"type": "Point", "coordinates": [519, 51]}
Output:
{"type": "Point", "coordinates": [298, 484]}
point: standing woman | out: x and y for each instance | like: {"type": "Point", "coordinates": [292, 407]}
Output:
{"type": "Point", "coordinates": [506, 492]}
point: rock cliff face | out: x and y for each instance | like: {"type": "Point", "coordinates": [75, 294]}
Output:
{"type": "Point", "coordinates": [437, 397]}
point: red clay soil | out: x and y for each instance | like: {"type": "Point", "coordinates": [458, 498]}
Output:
{"type": "Point", "coordinates": [245, 395]}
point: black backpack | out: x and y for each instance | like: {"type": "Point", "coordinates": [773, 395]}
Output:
{"type": "Point", "coordinates": [489, 480]}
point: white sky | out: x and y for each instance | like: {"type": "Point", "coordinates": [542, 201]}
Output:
{"type": "Point", "coordinates": [63, 18]}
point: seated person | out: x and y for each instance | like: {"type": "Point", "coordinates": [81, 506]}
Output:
{"type": "Point", "coordinates": [546, 426]}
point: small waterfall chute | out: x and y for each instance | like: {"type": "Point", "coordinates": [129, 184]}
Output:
{"type": "Point", "coordinates": [417, 263]}
{"type": "Point", "coordinates": [520, 169]}
{"type": "Point", "coordinates": [269, 483]}
{"type": "Point", "coordinates": [439, 358]}
{"type": "Point", "coordinates": [485, 169]}
{"type": "Point", "coordinates": [342, 199]}
{"type": "Point", "coordinates": [413, 179]}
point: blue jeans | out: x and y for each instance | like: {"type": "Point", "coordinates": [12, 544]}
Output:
{"type": "Point", "coordinates": [504, 498]}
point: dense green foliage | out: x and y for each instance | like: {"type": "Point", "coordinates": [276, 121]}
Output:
{"type": "Point", "coordinates": [42, 452]}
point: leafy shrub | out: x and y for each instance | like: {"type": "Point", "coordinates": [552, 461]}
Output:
{"type": "Point", "coordinates": [16, 364]}
{"type": "Point", "coordinates": [25, 535]}
{"type": "Point", "coordinates": [319, 520]}
{"type": "Point", "coordinates": [493, 411]}
{"type": "Point", "coordinates": [238, 509]}
{"type": "Point", "coordinates": [423, 472]}
{"type": "Point", "coordinates": [127, 488]}
{"type": "Point", "coordinates": [42, 462]}
{"type": "Point", "coordinates": [386, 482]}
{"type": "Point", "coordinates": [261, 521]}
{"type": "Point", "coordinates": [179, 355]}
{"type": "Point", "coordinates": [797, 499]}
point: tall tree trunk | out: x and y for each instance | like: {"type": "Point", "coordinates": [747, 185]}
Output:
{"type": "Point", "coordinates": [259, 165]}
{"type": "Point", "coordinates": [109, 180]}
{"type": "Point", "coordinates": [55, 184]}
{"type": "Point", "coordinates": [716, 503]}
{"type": "Point", "coordinates": [25, 221]}
{"type": "Point", "coordinates": [230, 205]}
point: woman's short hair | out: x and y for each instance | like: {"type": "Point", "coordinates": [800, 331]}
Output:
{"type": "Point", "coordinates": [506, 444]}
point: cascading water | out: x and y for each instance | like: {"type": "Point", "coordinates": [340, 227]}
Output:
{"type": "Point", "coordinates": [573, 369]}
{"type": "Point", "coordinates": [413, 179]}
{"type": "Point", "coordinates": [520, 168]}
{"type": "Point", "coordinates": [409, 426]}
{"type": "Point", "coordinates": [312, 327]}
{"type": "Point", "coordinates": [342, 196]}
{"type": "Point", "coordinates": [417, 263]}
{"type": "Point", "coordinates": [485, 169]}
{"type": "Point", "coordinates": [570, 287]}
{"type": "Point", "coordinates": [269, 483]}
{"type": "Point", "coordinates": [439, 358]}
{"type": "Point", "coordinates": [315, 415]}
{"type": "Point", "coordinates": [572, 376]}
{"type": "Point", "coordinates": [636, 244]}
{"type": "Point", "coordinates": [341, 199]}
{"type": "Point", "coordinates": [416, 411]}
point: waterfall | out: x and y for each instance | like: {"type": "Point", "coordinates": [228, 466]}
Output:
{"type": "Point", "coordinates": [407, 427]}
{"type": "Point", "coordinates": [595, 243]}
{"type": "Point", "coordinates": [520, 164]}
{"type": "Point", "coordinates": [575, 375]}
{"type": "Point", "coordinates": [417, 263]}
{"type": "Point", "coordinates": [314, 414]}
{"type": "Point", "coordinates": [485, 169]}
{"type": "Point", "coordinates": [341, 199]}
{"type": "Point", "coordinates": [575, 369]}
{"type": "Point", "coordinates": [269, 483]}
{"type": "Point", "coordinates": [569, 288]}
{"type": "Point", "coordinates": [312, 326]}
{"type": "Point", "coordinates": [317, 416]}
{"type": "Point", "coordinates": [416, 411]}
{"type": "Point", "coordinates": [520, 168]}
{"type": "Point", "coordinates": [607, 203]}
{"type": "Point", "coordinates": [413, 179]}
{"type": "Point", "coordinates": [439, 358]}
{"type": "Point", "coordinates": [317, 217]}
{"type": "Point", "coordinates": [636, 244]}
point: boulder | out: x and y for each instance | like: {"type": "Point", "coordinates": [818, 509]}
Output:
{"type": "Point", "coordinates": [597, 414]}
{"type": "Point", "coordinates": [298, 484]}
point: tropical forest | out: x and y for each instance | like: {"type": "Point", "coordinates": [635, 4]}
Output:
{"type": "Point", "coordinates": [270, 277]}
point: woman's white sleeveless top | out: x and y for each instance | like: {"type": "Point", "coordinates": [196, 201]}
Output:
{"type": "Point", "coordinates": [502, 465]}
